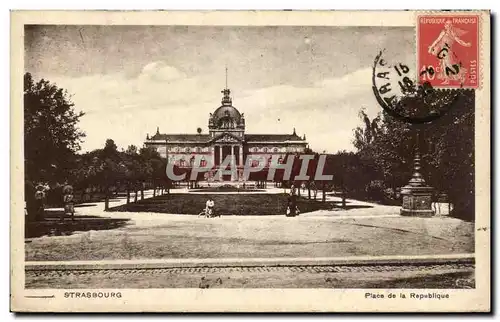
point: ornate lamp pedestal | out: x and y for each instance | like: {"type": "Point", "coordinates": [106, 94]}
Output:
{"type": "Point", "coordinates": [417, 195]}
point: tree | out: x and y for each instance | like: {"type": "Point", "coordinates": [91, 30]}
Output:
{"type": "Point", "coordinates": [51, 135]}
{"type": "Point", "coordinates": [111, 168]}
{"type": "Point", "coordinates": [385, 149]}
{"type": "Point", "coordinates": [131, 163]}
{"type": "Point", "coordinates": [154, 167]}
{"type": "Point", "coordinates": [446, 145]}
{"type": "Point", "coordinates": [131, 150]}
{"type": "Point", "coordinates": [110, 149]}
{"type": "Point", "coordinates": [87, 174]}
{"type": "Point", "coordinates": [364, 136]}
{"type": "Point", "coordinates": [329, 169]}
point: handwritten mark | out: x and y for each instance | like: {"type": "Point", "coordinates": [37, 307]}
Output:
{"type": "Point", "coordinates": [207, 283]}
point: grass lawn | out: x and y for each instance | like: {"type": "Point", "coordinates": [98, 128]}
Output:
{"type": "Point", "coordinates": [225, 204]}
{"type": "Point", "coordinates": [225, 189]}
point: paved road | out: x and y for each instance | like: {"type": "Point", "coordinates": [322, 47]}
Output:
{"type": "Point", "coordinates": [409, 275]}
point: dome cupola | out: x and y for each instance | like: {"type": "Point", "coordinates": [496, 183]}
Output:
{"type": "Point", "coordinates": [226, 116]}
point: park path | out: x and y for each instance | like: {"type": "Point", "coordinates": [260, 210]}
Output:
{"type": "Point", "coordinates": [372, 231]}
{"type": "Point", "coordinates": [274, 190]}
{"type": "Point", "coordinates": [361, 208]}
{"type": "Point", "coordinates": [358, 210]}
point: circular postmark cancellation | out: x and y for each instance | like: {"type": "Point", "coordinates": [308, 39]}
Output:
{"type": "Point", "coordinates": [395, 88]}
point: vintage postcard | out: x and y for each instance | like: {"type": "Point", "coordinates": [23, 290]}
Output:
{"type": "Point", "coordinates": [250, 161]}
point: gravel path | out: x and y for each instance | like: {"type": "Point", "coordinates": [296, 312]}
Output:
{"type": "Point", "coordinates": [374, 231]}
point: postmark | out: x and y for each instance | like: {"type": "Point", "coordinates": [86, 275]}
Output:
{"type": "Point", "coordinates": [401, 96]}
{"type": "Point", "coordinates": [448, 50]}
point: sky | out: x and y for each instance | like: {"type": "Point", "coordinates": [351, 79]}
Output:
{"type": "Point", "coordinates": [129, 80]}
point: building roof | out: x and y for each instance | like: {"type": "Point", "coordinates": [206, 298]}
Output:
{"type": "Point", "coordinates": [272, 137]}
{"type": "Point", "coordinates": [198, 138]}
{"type": "Point", "coordinates": [203, 138]}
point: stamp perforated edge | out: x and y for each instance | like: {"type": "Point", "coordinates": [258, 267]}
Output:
{"type": "Point", "coordinates": [480, 53]}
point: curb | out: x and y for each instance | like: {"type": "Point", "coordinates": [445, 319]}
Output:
{"type": "Point", "coordinates": [251, 262]}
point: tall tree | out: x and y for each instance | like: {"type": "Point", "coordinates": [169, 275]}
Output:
{"type": "Point", "coordinates": [446, 145]}
{"type": "Point", "coordinates": [51, 135]}
{"type": "Point", "coordinates": [365, 135]}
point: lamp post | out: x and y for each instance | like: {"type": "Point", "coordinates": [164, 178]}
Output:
{"type": "Point", "coordinates": [417, 195]}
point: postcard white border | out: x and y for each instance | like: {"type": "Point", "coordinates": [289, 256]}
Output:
{"type": "Point", "coordinates": [244, 300]}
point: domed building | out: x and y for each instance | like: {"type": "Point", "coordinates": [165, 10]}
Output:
{"type": "Point", "coordinates": [226, 137]}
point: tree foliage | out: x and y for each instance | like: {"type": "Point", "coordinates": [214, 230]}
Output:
{"type": "Point", "coordinates": [51, 135]}
{"type": "Point", "coordinates": [386, 148]}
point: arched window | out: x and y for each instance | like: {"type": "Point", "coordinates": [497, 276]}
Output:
{"type": "Point", "coordinates": [198, 149]}
{"type": "Point", "coordinates": [265, 150]}
{"type": "Point", "coordinates": [255, 149]}
{"type": "Point", "coordinates": [177, 149]}
{"type": "Point", "coordinates": [275, 150]}
{"type": "Point", "coordinates": [188, 150]}
{"type": "Point", "coordinates": [203, 162]}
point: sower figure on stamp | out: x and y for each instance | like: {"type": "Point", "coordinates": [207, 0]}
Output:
{"type": "Point", "coordinates": [69, 208]}
{"type": "Point", "coordinates": [442, 47]}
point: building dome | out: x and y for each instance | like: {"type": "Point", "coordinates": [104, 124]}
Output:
{"type": "Point", "coordinates": [226, 115]}
{"type": "Point", "coordinates": [227, 112]}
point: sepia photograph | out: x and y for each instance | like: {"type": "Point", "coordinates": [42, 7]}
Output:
{"type": "Point", "coordinates": [253, 156]}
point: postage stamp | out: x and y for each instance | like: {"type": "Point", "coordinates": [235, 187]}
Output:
{"type": "Point", "coordinates": [448, 50]}
{"type": "Point", "coordinates": [274, 161]}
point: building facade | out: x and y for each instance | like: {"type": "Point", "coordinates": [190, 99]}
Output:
{"type": "Point", "coordinates": [226, 137]}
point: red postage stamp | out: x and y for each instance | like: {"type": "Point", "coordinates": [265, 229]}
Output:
{"type": "Point", "coordinates": [448, 50]}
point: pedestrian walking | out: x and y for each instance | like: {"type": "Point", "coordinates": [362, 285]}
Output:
{"type": "Point", "coordinates": [68, 200]}
{"type": "Point", "coordinates": [292, 210]}
{"type": "Point", "coordinates": [40, 196]}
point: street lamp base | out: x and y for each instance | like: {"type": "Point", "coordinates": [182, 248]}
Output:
{"type": "Point", "coordinates": [417, 202]}
{"type": "Point", "coordinates": [416, 213]}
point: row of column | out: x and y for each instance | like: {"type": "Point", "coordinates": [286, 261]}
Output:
{"type": "Point", "coordinates": [239, 160]}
